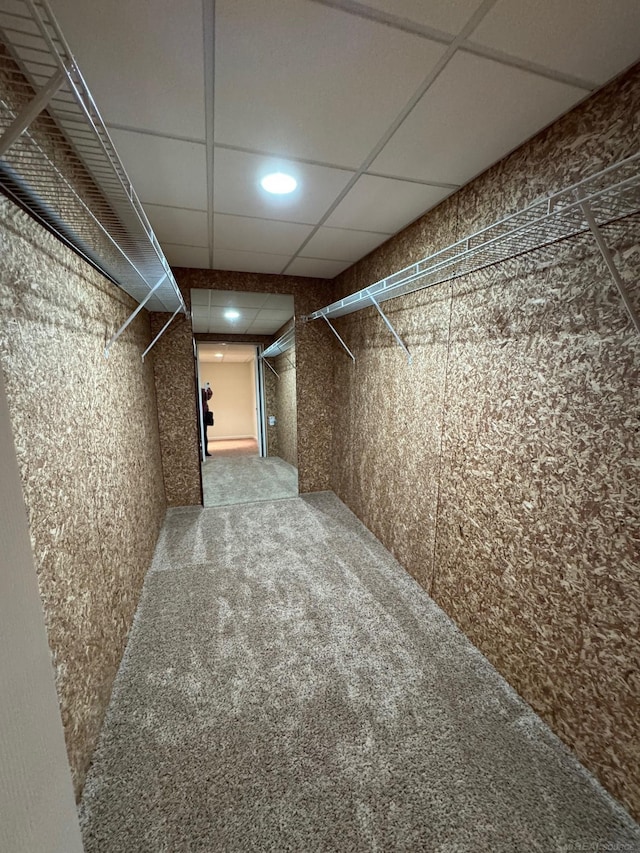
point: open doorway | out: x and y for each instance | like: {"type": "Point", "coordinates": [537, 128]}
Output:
{"type": "Point", "coordinates": [230, 373]}
{"type": "Point", "coordinates": [250, 398]}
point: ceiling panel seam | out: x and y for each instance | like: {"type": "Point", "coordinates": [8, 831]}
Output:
{"type": "Point", "coordinates": [512, 61]}
{"type": "Point", "coordinates": [175, 207]}
{"type": "Point", "coordinates": [209, 27]}
{"type": "Point", "coordinates": [429, 80]}
{"type": "Point", "coordinates": [157, 133]}
{"type": "Point", "coordinates": [360, 10]}
{"type": "Point", "coordinates": [306, 161]}
{"type": "Point", "coordinates": [396, 22]}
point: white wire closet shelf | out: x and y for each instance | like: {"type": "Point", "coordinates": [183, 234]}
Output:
{"type": "Point", "coordinates": [609, 195]}
{"type": "Point", "coordinates": [284, 343]}
{"type": "Point", "coordinates": [57, 159]}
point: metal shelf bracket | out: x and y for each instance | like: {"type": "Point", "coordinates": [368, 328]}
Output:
{"type": "Point", "coordinates": [272, 369]}
{"type": "Point", "coordinates": [162, 330]}
{"type": "Point", "coordinates": [30, 112]}
{"type": "Point", "coordinates": [608, 259]}
{"type": "Point", "coordinates": [391, 329]}
{"type": "Point", "coordinates": [331, 326]}
{"type": "Point", "coordinates": [133, 316]}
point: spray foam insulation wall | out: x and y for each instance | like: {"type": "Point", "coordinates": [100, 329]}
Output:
{"type": "Point", "coordinates": [87, 444]}
{"type": "Point", "coordinates": [501, 467]}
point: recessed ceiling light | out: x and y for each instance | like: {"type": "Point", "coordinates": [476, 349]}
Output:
{"type": "Point", "coordinates": [231, 314]}
{"type": "Point", "coordinates": [218, 355]}
{"type": "Point", "coordinates": [279, 183]}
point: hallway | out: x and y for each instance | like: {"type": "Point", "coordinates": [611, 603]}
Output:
{"type": "Point", "coordinates": [235, 476]}
{"type": "Point", "coordinates": [287, 686]}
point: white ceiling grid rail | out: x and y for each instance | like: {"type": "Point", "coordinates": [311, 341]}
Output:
{"type": "Point", "coordinates": [604, 197]}
{"type": "Point", "coordinates": [48, 122]}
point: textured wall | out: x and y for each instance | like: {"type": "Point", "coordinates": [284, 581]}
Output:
{"type": "Point", "coordinates": [87, 445]}
{"type": "Point", "coordinates": [286, 411]}
{"type": "Point", "coordinates": [501, 466]}
{"type": "Point", "coordinates": [174, 367]}
{"type": "Point", "coordinates": [270, 404]}
{"type": "Point", "coordinates": [175, 381]}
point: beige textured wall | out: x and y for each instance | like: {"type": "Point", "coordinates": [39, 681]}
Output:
{"type": "Point", "coordinates": [175, 379]}
{"type": "Point", "coordinates": [271, 408]}
{"type": "Point", "coordinates": [501, 466]}
{"type": "Point", "coordinates": [86, 437]}
{"type": "Point", "coordinates": [285, 405]}
{"type": "Point", "coordinates": [233, 401]}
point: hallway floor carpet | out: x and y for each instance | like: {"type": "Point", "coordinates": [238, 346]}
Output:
{"type": "Point", "coordinates": [236, 479]}
{"type": "Point", "coordinates": [288, 687]}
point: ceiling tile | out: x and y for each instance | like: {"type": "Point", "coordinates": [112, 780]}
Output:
{"type": "Point", "coordinates": [176, 225]}
{"type": "Point", "coordinates": [263, 328]}
{"type": "Point", "coordinates": [237, 187]}
{"type": "Point", "coordinates": [217, 319]}
{"type": "Point", "coordinates": [225, 259]}
{"type": "Point", "coordinates": [311, 81]}
{"type": "Point", "coordinates": [164, 171]}
{"type": "Point", "coordinates": [237, 299]}
{"type": "Point", "coordinates": [200, 297]}
{"type": "Point", "coordinates": [592, 39]}
{"type": "Point", "coordinates": [199, 324]}
{"type": "Point", "coordinates": [447, 15]}
{"type": "Point", "coordinates": [258, 235]}
{"type": "Point", "coordinates": [247, 315]}
{"type": "Point", "coordinates": [316, 268]}
{"type": "Point", "coordinates": [384, 204]}
{"type": "Point", "coordinates": [280, 302]}
{"type": "Point", "coordinates": [186, 256]}
{"type": "Point", "coordinates": [340, 244]}
{"type": "Point", "coordinates": [278, 318]}
{"type": "Point", "coordinates": [142, 61]}
{"type": "Point", "coordinates": [476, 112]}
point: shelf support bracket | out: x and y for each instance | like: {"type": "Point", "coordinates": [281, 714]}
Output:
{"type": "Point", "coordinates": [264, 361]}
{"type": "Point", "coordinates": [391, 329]}
{"type": "Point", "coordinates": [30, 111]}
{"type": "Point", "coordinates": [133, 316]}
{"type": "Point", "coordinates": [608, 259]}
{"type": "Point", "coordinates": [162, 331]}
{"type": "Point", "coordinates": [324, 317]}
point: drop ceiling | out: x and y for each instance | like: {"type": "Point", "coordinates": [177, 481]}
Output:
{"type": "Point", "coordinates": [258, 313]}
{"type": "Point", "coordinates": [380, 109]}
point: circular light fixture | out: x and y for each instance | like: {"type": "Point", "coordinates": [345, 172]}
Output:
{"type": "Point", "coordinates": [278, 183]}
{"type": "Point", "coordinates": [231, 314]}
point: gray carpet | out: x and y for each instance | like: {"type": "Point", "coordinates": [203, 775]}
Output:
{"type": "Point", "coordinates": [287, 687]}
{"type": "Point", "coordinates": [244, 479]}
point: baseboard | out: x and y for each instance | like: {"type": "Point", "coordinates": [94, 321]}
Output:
{"type": "Point", "coordinates": [232, 438]}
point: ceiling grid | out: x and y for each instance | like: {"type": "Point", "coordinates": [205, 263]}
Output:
{"type": "Point", "coordinates": [380, 109]}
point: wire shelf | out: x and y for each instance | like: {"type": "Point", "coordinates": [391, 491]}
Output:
{"type": "Point", "coordinates": [284, 343]}
{"type": "Point", "coordinates": [608, 195]}
{"type": "Point", "coordinates": [64, 167]}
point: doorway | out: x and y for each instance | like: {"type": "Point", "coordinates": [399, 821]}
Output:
{"type": "Point", "coordinates": [238, 467]}
{"type": "Point", "coordinates": [232, 373]}
{"type": "Point", "coordinates": [249, 452]}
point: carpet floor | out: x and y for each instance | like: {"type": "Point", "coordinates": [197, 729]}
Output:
{"type": "Point", "coordinates": [288, 687]}
{"type": "Point", "coordinates": [235, 479]}
{"type": "Point", "coordinates": [234, 447]}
